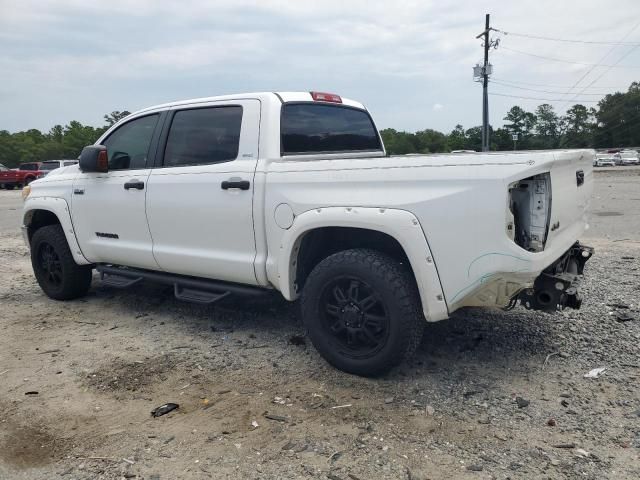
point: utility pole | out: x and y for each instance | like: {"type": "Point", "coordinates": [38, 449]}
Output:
{"type": "Point", "coordinates": [485, 86]}
{"type": "Point", "coordinates": [482, 74]}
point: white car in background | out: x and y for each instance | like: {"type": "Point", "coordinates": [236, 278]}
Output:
{"type": "Point", "coordinates": [604, 160]}
{"type": "Point", "coordinates": [629, 157]}
{"type": "Point", "coordinates": [49, 165]}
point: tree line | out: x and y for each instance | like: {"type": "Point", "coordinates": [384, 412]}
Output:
{"type": "Point", "coordinates": [58, 143]}
{"type": "Point", "coordinates": [614, 122]}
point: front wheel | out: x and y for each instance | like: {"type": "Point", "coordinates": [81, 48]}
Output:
{"type": "Point", "coordinates": [57, 273]}
{"type": "Point", "coordinates": [362, 311]}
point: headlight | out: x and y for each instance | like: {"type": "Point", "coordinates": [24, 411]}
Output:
{"type": "Point", "coordinates": [26, 190]}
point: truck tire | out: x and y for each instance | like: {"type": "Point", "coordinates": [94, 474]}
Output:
{"type": "Point", "coordinates": [9, 187]}
{"type": "Point", "coordinates": [57, 273]}
{"type": "Point", "coordinates": [362, 311]}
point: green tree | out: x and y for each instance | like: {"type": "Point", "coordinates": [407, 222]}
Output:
{"type": "Point", "coordinates": [115, 116]}
{"type": "Point", "coordinates": [578, 126]}
{"type": "Point", "coordinates": [618, 116]}
{"type": "Point", "coordinates": [546, 127]}
{"type": "Point", "coordinates": [457, 139]}
{"type": "Point", "coordinates": [522, 123]}
{"type": "Point", "coordinates": [431, 141]}
{"type": "Point", "coordinates": [473, 139]}
{"type": "Point", "coordinates": [33, 145]}
{"type": "Point", "coordinates": [501, 140]}
{"type": "Point", "coordinates": [398, 143]}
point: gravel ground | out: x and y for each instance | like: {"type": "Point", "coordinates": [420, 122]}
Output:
{"type": "Point", "coordinates": [490, 394]}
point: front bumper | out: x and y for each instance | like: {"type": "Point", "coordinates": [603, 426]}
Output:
{"type": "Point", "coordinates": [556, 287]}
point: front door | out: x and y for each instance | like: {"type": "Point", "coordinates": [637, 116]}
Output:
{"type": "Point", "coordinates": [108, 209]}
{"type": "Point", "coordinates": [199, 201]}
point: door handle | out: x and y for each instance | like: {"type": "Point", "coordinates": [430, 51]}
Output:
{"type": "Point", "coordinates": [235, 183]}
{"type": "Point", "coordinates": [137, 184]}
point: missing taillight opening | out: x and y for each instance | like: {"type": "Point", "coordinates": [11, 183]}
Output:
{"type": "Point", "coordinates": [530, 205]}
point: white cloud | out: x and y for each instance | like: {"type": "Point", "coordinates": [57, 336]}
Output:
{"type": "Point", "coordinates": [437, 106]}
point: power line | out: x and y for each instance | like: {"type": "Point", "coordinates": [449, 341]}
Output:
{"type": "Point", "coordinates": [565, 40]}
{"type": "Point", "coordinates": [562, 60]}
{"type": "Point", "coordinates": [505, 84]}
{"type": "Point", "coordinates": [603, 73]}
{"type": "Point", "coordinates": [519, 82]}
{"type": "Point", "coordinates": [541, 99]}
{"type": "Point", "coordinates": [585, 74]}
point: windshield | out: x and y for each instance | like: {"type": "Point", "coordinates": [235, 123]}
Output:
{"type": "Point", "coordinates": [49, 166]}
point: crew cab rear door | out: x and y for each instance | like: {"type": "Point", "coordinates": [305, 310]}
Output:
{"type": "Point", "coordinates": [199, 200]}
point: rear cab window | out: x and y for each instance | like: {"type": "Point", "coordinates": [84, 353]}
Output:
{"type": "Point", "coordinates": [317, 128]}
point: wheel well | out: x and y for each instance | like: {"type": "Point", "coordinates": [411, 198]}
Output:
{"type": "Point", "coordinates": [40, 218]}
{"type": "Point", "coordinates": [318, 244]}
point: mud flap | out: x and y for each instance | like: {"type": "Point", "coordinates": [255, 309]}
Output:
{"type": "Point", "coordinates": [557, 286]}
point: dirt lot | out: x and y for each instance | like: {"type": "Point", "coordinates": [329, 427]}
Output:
{"type": "Point", "coordinates": [491, 394]}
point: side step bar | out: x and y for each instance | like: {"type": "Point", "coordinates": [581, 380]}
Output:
{"type": "Point", "coordinates": [186, 288]}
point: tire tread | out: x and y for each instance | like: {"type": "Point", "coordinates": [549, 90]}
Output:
{"type": "Point", "coordinates": [403, 287]}
{"type": "Point", "coordinates": [76, 278]}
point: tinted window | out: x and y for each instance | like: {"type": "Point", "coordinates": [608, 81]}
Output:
{"type": "Point", "coordinates": [315, 128]}
{"type": "Point", "coordinates": [49, 166]}
{"type": "Point", "coordinates": [204, 135]}
{"type": "Point", "coordinates": [70, 162]}
{"type": "Point", "coordinates": [128, 146]}
{"type": "Point", "coordinates": [28, 166]}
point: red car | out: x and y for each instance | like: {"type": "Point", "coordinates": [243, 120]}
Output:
{"type": "Point", "coordinates": [21, 176]}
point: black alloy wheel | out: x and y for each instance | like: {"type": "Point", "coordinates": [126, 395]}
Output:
{"type": "Point", "coordinates": [50, 264]}
{"type": "Point", "coordinates": [354, 315]}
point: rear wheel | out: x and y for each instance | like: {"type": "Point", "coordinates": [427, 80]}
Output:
{"type": "Point", "coordinates": [57, 273]}
{"type": "Point", "coordinates": [362, 311]}
{"type": "Point", "coordinates": [9, 187]}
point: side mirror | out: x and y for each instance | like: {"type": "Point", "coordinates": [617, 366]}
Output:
{"type": "Point", "coordinates": [94, 158]}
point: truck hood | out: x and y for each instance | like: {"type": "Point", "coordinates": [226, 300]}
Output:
{"type": "Point", "coordinates": [62, 171]}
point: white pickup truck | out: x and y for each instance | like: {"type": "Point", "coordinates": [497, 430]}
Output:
{"type": "Point", "coordinates": [294, 192]}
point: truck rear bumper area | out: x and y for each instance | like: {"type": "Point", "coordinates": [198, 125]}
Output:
{"type": "Point", "coordinates": [556, 287]}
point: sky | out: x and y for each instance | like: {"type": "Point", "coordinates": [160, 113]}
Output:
{"type": "Point", "coordinates": [409, 62]}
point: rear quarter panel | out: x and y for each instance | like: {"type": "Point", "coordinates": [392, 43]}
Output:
{"type": "Point", "coordinates": [461, 202]}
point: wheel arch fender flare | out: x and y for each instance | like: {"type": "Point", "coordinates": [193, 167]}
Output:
{"type": "Point", "coordinates": [59, 208]}
{"type": "Point", "coordinates": [401, 225]}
